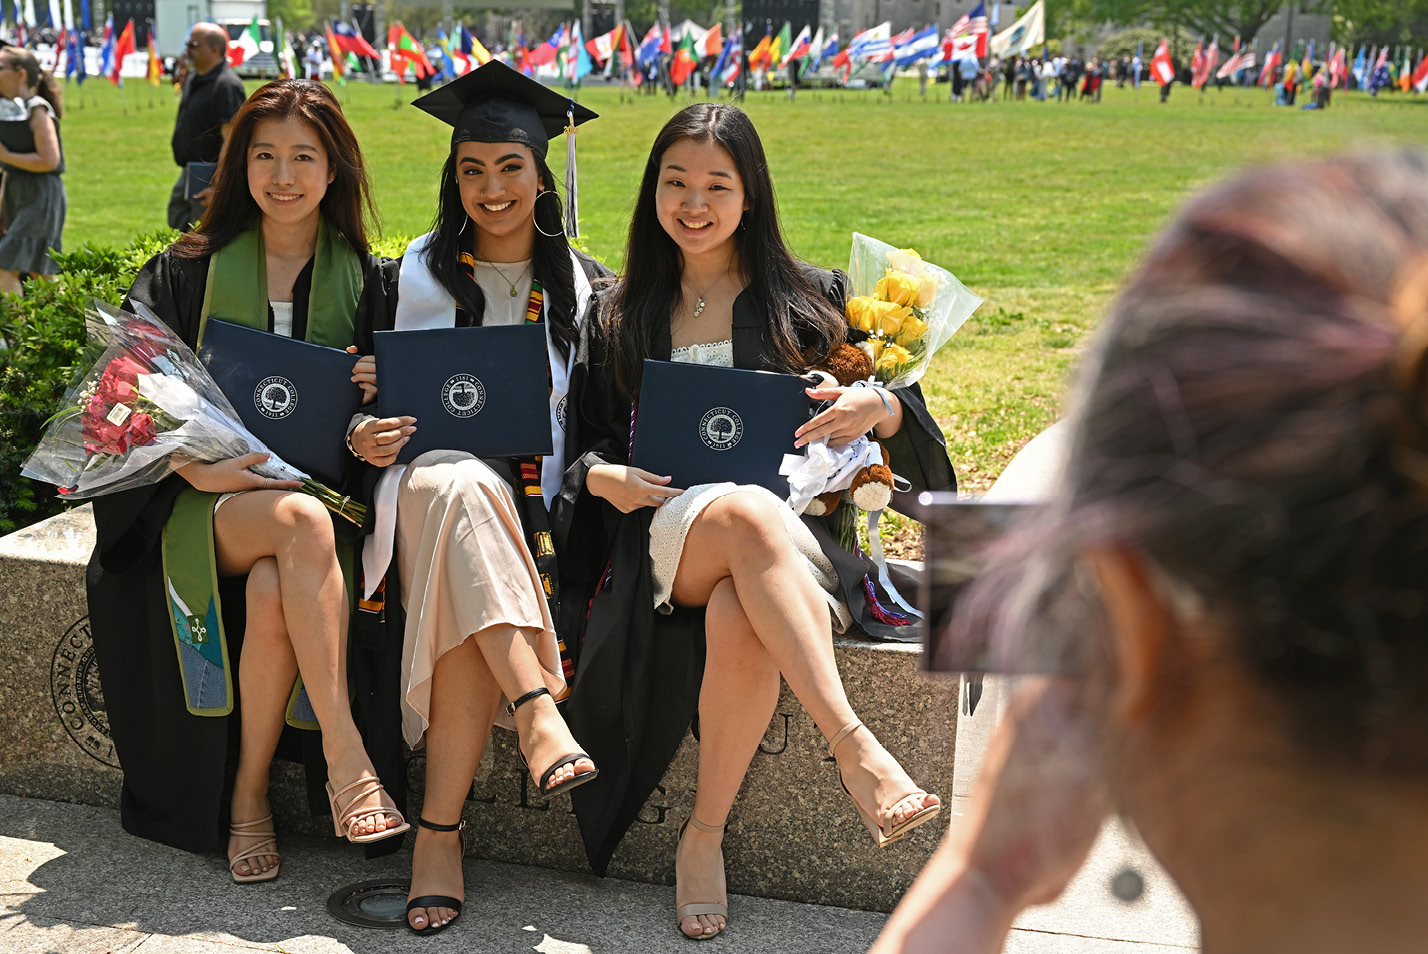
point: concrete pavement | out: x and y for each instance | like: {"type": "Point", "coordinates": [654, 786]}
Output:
{"type": "Point", "coordinates": [72, 882]}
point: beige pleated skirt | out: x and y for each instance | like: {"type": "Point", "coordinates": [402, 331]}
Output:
{"type": "Point", "coordinates": [465, 568]}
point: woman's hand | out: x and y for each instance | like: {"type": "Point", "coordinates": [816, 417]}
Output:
{"type": "Point", "coordinates": [1034, 813]}
{"type": "Point", "coordinates": [364, 375]}
{"type": "Point", "coordinates": [855, 411]}
{"type": "Point", "coordinates": [232, 475]}
{"type": "Point", "coordinates": [628, 488]}
{"type": "Point", "coordinates": [380, 439]}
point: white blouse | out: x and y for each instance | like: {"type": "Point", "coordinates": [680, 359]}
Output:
{"type": "Point", "coordinates": [282, 318]}
{"type": "Point", "coordinates": [720, 354]}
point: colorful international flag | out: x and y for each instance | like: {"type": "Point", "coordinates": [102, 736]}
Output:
{"type": "Point", "coordinates": [245, 47]}
{"type": "Point", "coordinates": [339, 70]}
{"type": "Point", "coordinates": [403, 47]}
{"type": "Point", "coordinates": [800, 46]}
{"type": "Point", "coordinates": [922, 45]}
{"type": "Point", "coordinates": [973, 23]}
{"type": "Point", "coordinates": [350, 41]}
{"type": "Point", "coordinates": [1162, 70]}
{"type": "Point", "coordinates": [122, 48]}
{"type": "Point", "coordinates": [155, 72]}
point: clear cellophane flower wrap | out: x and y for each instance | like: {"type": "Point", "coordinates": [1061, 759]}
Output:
{"type": "Point", "coordinates": [145, 406]}
{"type": "Point", "coordinates": [908, 307]}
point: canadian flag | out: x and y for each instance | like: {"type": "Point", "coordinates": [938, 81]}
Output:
{"type": "Point", "coordinates": [1161, 69]}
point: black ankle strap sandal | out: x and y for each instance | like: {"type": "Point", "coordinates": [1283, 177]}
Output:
{"type": "Point", "coordinates": [437, 900]}
{"type": "Point", "coordinates": [558, 764]}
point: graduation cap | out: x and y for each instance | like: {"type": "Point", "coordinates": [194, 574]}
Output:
{"type": "Point", "coordinates": [494, 103]}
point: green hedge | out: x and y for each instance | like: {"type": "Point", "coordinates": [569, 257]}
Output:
{"type": "Point", "coordinates": [44, 331]}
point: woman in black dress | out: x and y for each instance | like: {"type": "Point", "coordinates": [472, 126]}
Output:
{"type": "Point", "coordinates": [710, 280]}
{"type": "Point", "coordinates": [33, 208]}
{"type": "Point", "coordinates": [282, 248]}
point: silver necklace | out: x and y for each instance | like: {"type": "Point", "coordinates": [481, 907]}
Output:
{"type": "Point", "coordinates": [510, 283]}
{"type": "Point", "coordinates": [700, 301]}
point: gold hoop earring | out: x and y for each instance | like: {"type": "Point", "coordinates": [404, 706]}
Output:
{"type": "Point", "coordinates": [535, 217]}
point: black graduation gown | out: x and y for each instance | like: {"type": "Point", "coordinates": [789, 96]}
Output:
{"type": "Point", "coordinates": [638, 672]}
{"type": "Point", "coordinates": [178, 767]}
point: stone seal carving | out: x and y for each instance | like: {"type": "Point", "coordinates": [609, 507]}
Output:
{"type": "Point", "coordinates": [463, 395]}
{"type": "Point", "coordinates": [275, 397]}
{"type": "Point", "coordinates": [78, 698]}
{"type": "Point", "coordinates": [721, 428]}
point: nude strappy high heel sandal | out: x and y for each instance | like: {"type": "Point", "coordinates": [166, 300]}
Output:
{"type": "Point", "coordinates": [705, 907]}
{"type": "Point", "coordinates": [257, 828]}
{"type": "Point", "coordinates": [884, 832]}
{"type": "Point", "coordinates": [345, 821]}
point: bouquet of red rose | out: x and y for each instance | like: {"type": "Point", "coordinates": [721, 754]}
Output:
{"type": "Point", "coordinates": [145, 407]}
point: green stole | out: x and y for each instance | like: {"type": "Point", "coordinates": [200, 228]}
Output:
{"type": "Point", "coordinates": [237, 292]}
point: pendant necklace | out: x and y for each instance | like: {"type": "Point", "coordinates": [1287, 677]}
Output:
{"type": "Point", "coordinates": [509, 283]}
{"type": "Point", "coordinates": [700, 301]}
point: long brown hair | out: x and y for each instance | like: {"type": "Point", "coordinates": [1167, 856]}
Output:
{"type": "Point", "coordinates": [41, 80]}
{"type": "Point", "coordinates": [347, 205]}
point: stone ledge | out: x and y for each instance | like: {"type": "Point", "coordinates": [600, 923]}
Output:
{"type": "Point", "coordinates": [793, 834]}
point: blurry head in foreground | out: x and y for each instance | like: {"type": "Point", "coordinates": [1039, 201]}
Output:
{"type": "Point", "coordinates": [1239, 549]}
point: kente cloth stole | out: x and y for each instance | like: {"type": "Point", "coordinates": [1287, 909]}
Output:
{"type": "Point", "coordinates": [237, 292]}
{"type": "Point", "coordinates": [538, 538]}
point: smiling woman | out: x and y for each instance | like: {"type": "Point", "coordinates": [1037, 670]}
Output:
{"type": "Point", "coordinates": [472, 538]}
{"type": "Point", "coordinates": [698, 599]}
{"type": "Point", "coordinates": [282, 249]}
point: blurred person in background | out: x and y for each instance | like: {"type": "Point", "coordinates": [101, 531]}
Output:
{"type": "Point", "coordinates": [33, 206]}
{"type": "Point", "coordinates": [1235, 562]}
{"type": "Point", "coordinates": [212, 93]}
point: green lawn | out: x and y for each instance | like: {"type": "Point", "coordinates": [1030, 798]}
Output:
{"type": "Point", "coordinates": [1040, 207]}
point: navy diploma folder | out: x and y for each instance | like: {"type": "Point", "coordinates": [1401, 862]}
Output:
{"type": "Point", "coordinates": [700, 424]}
{"type": "Point", "coordinates": [296, 397]}
{"type": "Point", "coordinates": [483, 390]}
{"type": "Point", "coordinates": [197, 176]}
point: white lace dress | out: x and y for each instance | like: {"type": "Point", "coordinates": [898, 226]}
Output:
{"type": "Point", "coordinates": [671, 522]}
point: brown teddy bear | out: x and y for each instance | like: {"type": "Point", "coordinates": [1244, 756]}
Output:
{"type": "Point", "coordinates": [872, 486]}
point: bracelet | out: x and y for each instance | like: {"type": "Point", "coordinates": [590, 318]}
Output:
{"type": "Point", "coordinates": [357, 421]}
{"type": "Point", "coordinates": [348, 442]}
{"type": "Point", "coordinates": [878, 391]}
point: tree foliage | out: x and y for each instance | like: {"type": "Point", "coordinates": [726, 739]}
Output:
{"type": "Point", "coordinates": [1126, 42]}
{"type": "Point", "coordinates": [1220, 18]}
{"type": "Point", "coordinates": [295, 14]}
{"type": "Point", "coordinates": [1380, 21]}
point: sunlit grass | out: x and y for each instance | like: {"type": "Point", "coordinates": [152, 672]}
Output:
{"type": "Point", "coordinates": [1042, 208]}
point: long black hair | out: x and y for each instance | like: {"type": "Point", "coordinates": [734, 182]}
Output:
{"type": "Point", "coordinates": [798, 324]}
{"type": "Point", "coordinates": [550, 258]}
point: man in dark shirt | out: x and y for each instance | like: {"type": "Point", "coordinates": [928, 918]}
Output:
{"type": "Point", "coordinates": [211, 95]}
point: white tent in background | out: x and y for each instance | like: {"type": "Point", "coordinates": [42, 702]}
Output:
{"type": "Point", "coordinates": [677, 32]}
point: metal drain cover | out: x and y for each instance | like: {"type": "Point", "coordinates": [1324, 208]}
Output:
{"type": "Point", "coordinates": [372, 904]}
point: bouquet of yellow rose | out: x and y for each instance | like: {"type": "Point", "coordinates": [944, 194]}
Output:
{"type": "Point", "coordinates": [908, 307]}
